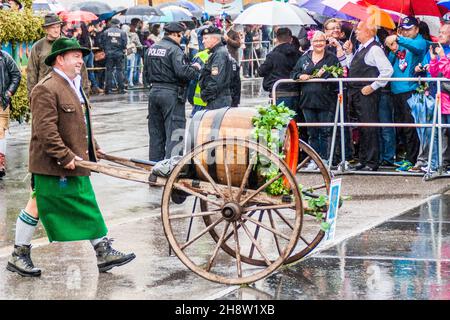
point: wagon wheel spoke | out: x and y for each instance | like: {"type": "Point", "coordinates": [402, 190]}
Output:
{"type": "Point", "coordinates": [192, 215]}
{"type": "Point", "coordinates": [284, 219]}
{"type": "Point", "coordinates": [216, 249]}
{"type": "Point", "coordinates": [227, 171]}
{"type": "Point", "coordinates": [208, 177]}
{"type": "Point", "coordinates": [238, 250]}
{"type": "Point", "coordinates": [253, 240]}
{"type": "Point", "coordinates": [184, 246]}
{"type": "Point", "coordinates": [195, 193]}
{"type": "Point", "coordinates": [263, 187]}
{"type": "Point", "coordinates": [246, 175]}
{"type": "Point", "coordinates": [290, 225]}
{"type": "Point", "coordinates": [272, 224]}
{"type": "Point", "coordinates": [304, 162]}
{"type": "Point", "coordinates": [238, 227]}
{"type": "Point", "coordinates": [262, 225]}
{"type": "Point", "coordinates": [318, 187]}
{"type": "Point", "coordinates": [271, 207]}
{"type": "Point", "coordinates": [252, 248]}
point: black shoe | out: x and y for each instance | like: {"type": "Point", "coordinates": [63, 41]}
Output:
{"type": "Point", "coordinates": [108, 258]}
{"type": "Point", "coordinates": [123, 91]}
{"type": "Point", "coordinates": [107, 92]}
{"type": "Point", "coordinates": [363, 167]}
{"type": "Point", "coordinates": [385, 163]}
{"type": "Point", "coordinates": [20, 262]}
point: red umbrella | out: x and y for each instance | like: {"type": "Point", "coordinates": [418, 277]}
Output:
{"type": "Point", "coordinates": [77, 16]}
{"type": "Point", "coordinates": [409, 7]}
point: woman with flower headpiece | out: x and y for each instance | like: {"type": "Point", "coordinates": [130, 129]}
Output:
{"type": "Point", "coordinates": [317, 99]}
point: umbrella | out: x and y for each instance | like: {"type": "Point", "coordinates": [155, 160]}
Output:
{"type": "Point", "coordinates": [318, 7]}
{"type": "Point", "coordinates": [143, 10]}
{"type": "Point", "coordinates": [444, 3]}
{"type": "Point", "coordinates": [77, 16]}
{"type": "Point", "coordinates": [355, 9]}
{"type": "Point", "coordinates": [274, 13]}
{"type": "Point", "coordinates": [172, 14]}
{"type": "Point", "coordinates": [409, 7]}
{"type": "Point", "coordinates": [196, 10]}
{"type": "Point", "coordinates": [96, 7]}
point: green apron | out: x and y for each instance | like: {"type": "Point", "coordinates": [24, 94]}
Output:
{"type": "Point", "coordinates": [68, 209]}
{"type": "Point", "coordinates": [67, 206]}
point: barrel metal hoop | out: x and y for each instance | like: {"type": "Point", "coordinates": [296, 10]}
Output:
{"type": "Point", "coordinates": [193, 129]}
{"type": "Point", "coordinates": [214, 134]}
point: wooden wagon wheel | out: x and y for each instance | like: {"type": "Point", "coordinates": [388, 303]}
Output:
{"type": "Point", "coordinates": [314, 184]}
{"type": "Point", "coordinates": [314, 231]}
{"type": "Point", "coordinates": [230, 211]}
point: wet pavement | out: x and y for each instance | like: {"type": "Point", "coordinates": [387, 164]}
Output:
{"type": "Point", "coordinates": [407, 257]}
{"type": "Point", "coordinates": [132, 213]}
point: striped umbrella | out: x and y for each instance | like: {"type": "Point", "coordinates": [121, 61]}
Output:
{"type": "Point", "coordinates": [355, 9]}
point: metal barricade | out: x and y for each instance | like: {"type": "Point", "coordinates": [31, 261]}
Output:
{"type": "Point", "coordinates": [339, 120]}
{"type": "Point", "coordinates": [254, 56]}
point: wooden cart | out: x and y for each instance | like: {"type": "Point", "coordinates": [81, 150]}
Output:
{"type": "Point", "coordinates": [240, 232]}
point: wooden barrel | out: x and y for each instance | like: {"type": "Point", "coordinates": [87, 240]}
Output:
{"type": "Point", "coordinates": [227, 123]}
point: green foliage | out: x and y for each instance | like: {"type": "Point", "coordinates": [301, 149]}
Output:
{"type": "Point", "coordinates": [21, 110]}
{"type": "Point", "coordinates": [270, 121]}
{"type": "Point", "coordinates": [20, 26]}
{"type": "Point", "coordinates": [336, 71]}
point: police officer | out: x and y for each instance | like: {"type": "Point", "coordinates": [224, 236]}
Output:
{"type": "Point", "coordinates": [169, 73]}
{"type": "Point", "coordinates": [215, 79]}
{"type": "Point", "coordinates": [114, 42]}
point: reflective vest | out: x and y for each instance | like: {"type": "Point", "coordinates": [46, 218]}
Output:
{"type": "Point", "coordinates": [203, 56]}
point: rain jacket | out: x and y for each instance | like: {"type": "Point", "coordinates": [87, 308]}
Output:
{"type": "Point", "coordinates": [438, 68]}
{"type": "Point", "coordinates": [215, 78]}
{"type": "Point", "coordinates": [315, 95]}
{"type": "Point", "coordinates": [9, 77]}
{"type": "Point", "coordinates": [414, 51]}
{"type": "Point", "coordinates": [278, 65]}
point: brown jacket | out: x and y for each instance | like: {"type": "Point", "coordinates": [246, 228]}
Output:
{"type": "Point", "coordinates": [58, 129]}
{"type": "Point", "coordinates": [37, 69]}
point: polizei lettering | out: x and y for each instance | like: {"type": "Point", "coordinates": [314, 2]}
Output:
{"type": "Point", "coordinates": [157, 52]}
{"type": "Point", "coordinates": [187, 310]}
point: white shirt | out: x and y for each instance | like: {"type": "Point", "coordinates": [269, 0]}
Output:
{"type": "Point", "coordinates": [75, 84]}
{"type": "Point", "coordinates": [375, 58]}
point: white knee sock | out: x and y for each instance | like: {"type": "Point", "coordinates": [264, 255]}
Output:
{"type": "Point", "coordinates": [25, 226]}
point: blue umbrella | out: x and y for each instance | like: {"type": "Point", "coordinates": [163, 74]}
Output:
{"type": "Point", "coordinates": [444, 3]}
{"type": "Point", "coordinates": [318, 7]}
{"type": "Point", "coordinates": [196, 10]}
{"type": "Point", "coordinates": [172, 14]}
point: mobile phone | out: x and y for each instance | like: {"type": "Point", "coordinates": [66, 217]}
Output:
{"type": "Point", "coordinates": [435, 45]}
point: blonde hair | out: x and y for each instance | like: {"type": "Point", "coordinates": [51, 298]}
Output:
{"type": "Point", "coordinates": [332, 20]}
{"type": "Point", "coordinates": [318, 34]}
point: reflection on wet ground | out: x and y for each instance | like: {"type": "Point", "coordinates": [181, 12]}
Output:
{"type": "Point", "coordinates": [407, 257]}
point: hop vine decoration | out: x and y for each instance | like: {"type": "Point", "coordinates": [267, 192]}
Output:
{"type": "Point", "coordinates": [269, 122]}
{"type": "Point", "coordinates": [335, 71]}
{"type": "Point", "coordinates": [20, 105]}
{"type": "Point", "coordinates": [20, 26]}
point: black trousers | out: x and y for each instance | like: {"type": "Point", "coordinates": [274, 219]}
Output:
{"type": "Point", "coordinates": [366, 110]}
{"type": "Point", "coordinates": [114, 65]}
{"type": "Point", "coordinates": [402, 114]}
{"type": "Point", "coordinates": [219, 102]}
{"type": "Point", "coordinates": [166, 124]}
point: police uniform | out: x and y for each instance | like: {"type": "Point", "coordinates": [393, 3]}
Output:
{"type": "Point", "coordinates": [114, 41]}
{"type": "Point", "coordinates": [215, 79]}
{"type": "Point", "coordinates": [169, 73]}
